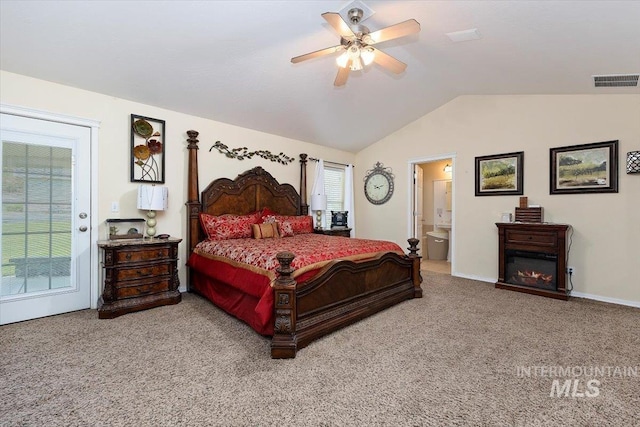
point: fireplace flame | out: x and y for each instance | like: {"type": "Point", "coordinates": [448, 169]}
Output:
{"type": "Point", "coordinates": [536, 275]}
{"type": "Point", "coordinates": [532, 277]}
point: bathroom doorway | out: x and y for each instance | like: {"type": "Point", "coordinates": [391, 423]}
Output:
{"type": "Point", "coordinates": [432, 211]}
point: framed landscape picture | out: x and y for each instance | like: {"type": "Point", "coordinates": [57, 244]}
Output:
{"type": "Point", "coordinates": [500, 174]}
{"type": "Point", "coordinates": [586, 168]}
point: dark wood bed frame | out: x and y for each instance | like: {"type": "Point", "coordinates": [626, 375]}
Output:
{"type": "Point", "coordinates": [342, 293]}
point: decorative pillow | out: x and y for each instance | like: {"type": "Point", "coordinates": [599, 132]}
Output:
{"type": "Point", "coordinates": [268, 219]}
{"type": "Point", "coordinates": [285, 228]}
{"type": "Point", "coordinates": [266, 212]}
{"type": "Point", "coordinates": [225, 227]}
{"type": "Point", "coordinates": [265, 231]}
{"type": "Point", "coordinates": [301, 224]}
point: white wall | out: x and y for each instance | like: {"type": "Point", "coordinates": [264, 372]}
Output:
{"type": "Point", "coordinates": [114, 140]}
{"type": "Point", "coordinates": [604, 251]}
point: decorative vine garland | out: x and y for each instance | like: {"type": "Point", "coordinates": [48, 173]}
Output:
{"type": "Point", "coordinates": [243, 153]}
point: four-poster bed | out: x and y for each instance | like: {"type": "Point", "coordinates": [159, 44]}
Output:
{"type": "Point", "coordinates": [294, 305]}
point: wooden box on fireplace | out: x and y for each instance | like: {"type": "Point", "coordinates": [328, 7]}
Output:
{"type": "Point", "coordinates": [533, 258]}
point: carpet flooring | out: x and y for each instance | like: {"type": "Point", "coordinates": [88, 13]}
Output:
{"type": "Point", "coordinates": [465, 354]}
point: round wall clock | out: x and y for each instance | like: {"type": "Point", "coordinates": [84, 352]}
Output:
{"type": "Point", "coordinates": [378, 184]}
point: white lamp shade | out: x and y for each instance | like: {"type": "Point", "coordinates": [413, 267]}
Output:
{"type": "Point", "coordinates": [153, 197]}
{"type": "Point", "coordinates": [318, 202]}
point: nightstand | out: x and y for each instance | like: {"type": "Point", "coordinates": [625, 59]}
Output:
{"type": "Point", "coordinates": [138, 274]}
{"type": "Point", "coordinates": [335, 231]}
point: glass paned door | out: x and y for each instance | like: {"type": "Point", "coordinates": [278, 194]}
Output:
{"type": "Point", "coordinates": [45, 201]}
{"type": "Point", "coordinates": [36, 218]}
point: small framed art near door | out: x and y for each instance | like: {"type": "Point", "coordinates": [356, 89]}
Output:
{"type": "Point", "coordinates": [500, 174]}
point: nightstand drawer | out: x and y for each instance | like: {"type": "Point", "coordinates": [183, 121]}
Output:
{"type": "Point", "coordinates": [138, 290]}
{"type": "Point", "coordinates": [142, 255]}
{"type": "Point", "coordinates": [143, 272]}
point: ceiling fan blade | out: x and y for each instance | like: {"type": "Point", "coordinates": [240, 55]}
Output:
{"type": "Point", "coordinates": [316, 54]}
{"type": "Point", "coordinates": [338, 24]}
{"type": "Point", "coordinates": [388, 61]}
{"type": "Point", "coordinates": [343, 73]}
{"type": "Point", "coordinates": [410, 26]}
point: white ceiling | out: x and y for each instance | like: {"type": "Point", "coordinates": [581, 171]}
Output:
{"type": "Point", "coordinates": [230, 60]}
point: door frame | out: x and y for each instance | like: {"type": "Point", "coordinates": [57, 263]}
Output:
{"type": "Point", "coordinates": [94, 125]}
{"type": "Point", "coordinates": [411, 196]}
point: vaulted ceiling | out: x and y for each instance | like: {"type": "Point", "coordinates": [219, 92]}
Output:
{"type": "Point", "coordinates": [230, 60]}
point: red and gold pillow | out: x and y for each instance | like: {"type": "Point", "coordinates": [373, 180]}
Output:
{"type": "Point", "coordinates": [301, 224]}
{"type": "Point", "coordinates": [285, 229]}
{"type": "Point", "coordinates": [265, 231]}
{"type": "Point", "coordinates": [228, 226]}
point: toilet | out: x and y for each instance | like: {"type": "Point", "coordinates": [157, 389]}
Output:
{"type": "Point", "coordinates": [437, 244]}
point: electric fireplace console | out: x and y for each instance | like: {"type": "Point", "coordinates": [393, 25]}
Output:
{"type": "Point", "coordinates": [533, 258]}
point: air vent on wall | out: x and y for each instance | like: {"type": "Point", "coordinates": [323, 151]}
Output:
{"type": "Point", "coordinates": [616, 80]}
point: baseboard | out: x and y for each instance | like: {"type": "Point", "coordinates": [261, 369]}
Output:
{"type": "Point", "coordinates": [575, 294]}
{"type": "Point", "coordinates": [635, 304]}
{"type": "Point", "coordinates": [478, 278]}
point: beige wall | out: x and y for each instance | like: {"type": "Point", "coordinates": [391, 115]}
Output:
{"type": "Point", "coordinates": [604, 250]}
{"type": "Point", "coordinates": [114, 145]}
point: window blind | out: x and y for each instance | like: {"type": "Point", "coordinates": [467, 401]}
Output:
{"type": "Point", "coordinates": [334, 189]}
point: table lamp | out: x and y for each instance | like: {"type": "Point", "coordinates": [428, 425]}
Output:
{"type": "Point", "coordinates": [318, 204]}
{"type": "Point", "coordinates": [152, 198]}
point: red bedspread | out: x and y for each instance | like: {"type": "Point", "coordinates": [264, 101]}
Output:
{"type": "Point", "coordinates": [249, 266]}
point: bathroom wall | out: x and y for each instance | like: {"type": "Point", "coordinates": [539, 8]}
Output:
{"type": "Point", "coordinates": [433, 171]}
{"type": "Point", "coordinates": [441, 210]}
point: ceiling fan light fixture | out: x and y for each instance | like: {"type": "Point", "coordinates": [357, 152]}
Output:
{"type": "Point", "coordinates": [356, 64]}
{"type": "Point", "coordinates": [354, 51]}
{"type": "Point", "coordinates": [343, 60]}
{"type": "Point", "coordinates": [367, 55]}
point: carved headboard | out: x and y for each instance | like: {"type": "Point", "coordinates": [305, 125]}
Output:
{"type": "Point", "coordinates": [249, 192]}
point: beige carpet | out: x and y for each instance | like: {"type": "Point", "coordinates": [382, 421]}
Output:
{"type": "Point", "coordinates": [454, 357]}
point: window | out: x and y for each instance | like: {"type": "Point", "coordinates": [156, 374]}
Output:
{"type": "Point", "coordinates": [36, 225]}
{"type": "Point", "coordinates": [334, 189]}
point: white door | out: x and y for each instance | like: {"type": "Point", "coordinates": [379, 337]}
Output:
{"type": "Point", "coordinates": [417, 203]}
{"type": "Point", "coordinates": [46, 185]}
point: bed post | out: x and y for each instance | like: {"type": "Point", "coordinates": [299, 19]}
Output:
{"type": "Point", "coordinates": [193, 198]}
{"type": "Point", "coordinates": [415, 269]}
{"type": "Point", "coordinates": [284, 342]}
{"type": "Point", "coordinates": [304, 207]}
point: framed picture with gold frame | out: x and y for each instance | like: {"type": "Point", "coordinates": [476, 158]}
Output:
{"type": "Point", "coordinates": [147, 149]}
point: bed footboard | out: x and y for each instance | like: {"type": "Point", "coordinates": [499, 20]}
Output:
{"type": "Point", "coordinates": [341, 294]}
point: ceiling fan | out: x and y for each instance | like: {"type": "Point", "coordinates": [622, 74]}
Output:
{"type": "Point", "coordinates": [356, 44]}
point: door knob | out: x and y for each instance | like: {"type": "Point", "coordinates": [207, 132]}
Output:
{"type": "Point", "coordinates": [83, 228]}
